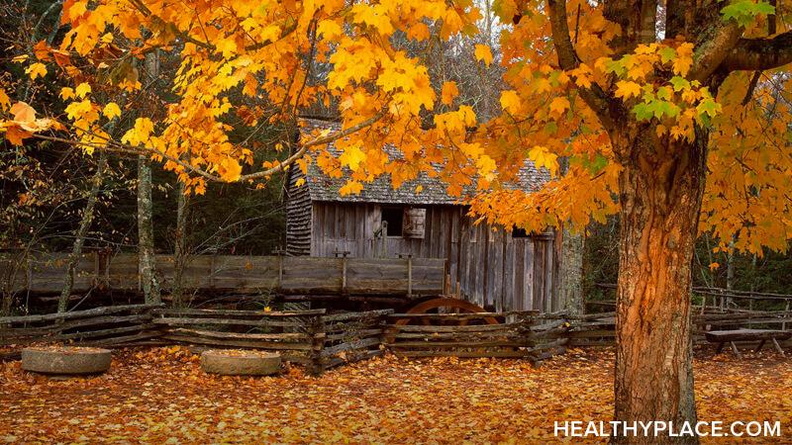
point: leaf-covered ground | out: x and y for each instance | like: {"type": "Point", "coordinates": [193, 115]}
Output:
{"type": "Point", "coordinates": [161, 396]}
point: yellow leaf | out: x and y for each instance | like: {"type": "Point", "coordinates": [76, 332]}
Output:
{"type": "Point", "coordinates": [111, 110]}
{"type": "Point", "coordinates": [684, 59]}
{"type": "Point", "coordinates": [230, 170]}
{"type": "Point", "coordinates": [375, 16]}
{"type": "Point", "coordinates": [352, 157]}
{"type": "Point", "coordinates": [67, 93]}
{"type": "Point", "coordinates": [299, 182]}
{"type": "Point", "coordinates": [23, 113]}
{"type": "Point", "coordinates": [140, 132]}
{"type": "Point", "coordinates": [626, 89]}
{"type": "Point", "coordinates": [510, 101]}
{"type": "Point", "coordinates": [484, 54]}
{"type": "Point", "coordinates": [351, 188]}
{"type": "Point", "coordinates": [107, 38]}
{"type": "Point", "coordinates": [36, 70]}
{"type": "Point", "coordinates": [82, 90]}
{"type": "Point", "coordinates": [5, 101]}
{"type": "Point", "coordinates": [329, 29]}
{"type": "Point", "coordinates": [450, 91]}
{"type": "Point", "coordinates": [559, 105]}
{"type": "Point", "coordinates": [714, 266]}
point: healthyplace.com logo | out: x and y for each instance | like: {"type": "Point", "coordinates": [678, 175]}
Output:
{"type": "Point", "coordinates": [655, 428]}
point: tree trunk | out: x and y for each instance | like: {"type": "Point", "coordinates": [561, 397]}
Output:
{"type": "Point", "coordinates": [181, 251]}
{"type": "Point", "coordinates": [82, 231]}
{"type": "Point", "coordinates": [571, 275]}
{"type": "Point", "coordinates": [661, 188]}
{"type": "Point", "coordinates": [145, 209]}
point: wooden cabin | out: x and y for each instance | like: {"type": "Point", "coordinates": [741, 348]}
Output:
{"type": "Point", "coordinates": [496, 268]}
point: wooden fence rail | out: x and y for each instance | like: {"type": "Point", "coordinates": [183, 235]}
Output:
{"type": "Point", "coordinates": [521, 335]}
{"type": "Point", "coordinates": [321, 341]}
{"type": "Point", "coordinates": [249, 274]}
{"type": "Point", "coordinates": [599, 329]}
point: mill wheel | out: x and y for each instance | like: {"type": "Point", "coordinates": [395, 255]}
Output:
{"type": "Point", "coordinates": [440, 306]}
{"type": "Point", "coordinates": [446, 305]}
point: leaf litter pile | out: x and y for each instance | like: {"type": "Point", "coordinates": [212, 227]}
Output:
{"type": "Point", "coordinates": [160, 395]}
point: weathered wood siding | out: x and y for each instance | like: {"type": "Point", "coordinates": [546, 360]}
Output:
{"type": "Point", "coordinates": [490, 267]}
{"type": "Point", "coordinates": [298, 215]}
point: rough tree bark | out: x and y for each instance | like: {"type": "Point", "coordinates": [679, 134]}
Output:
{"type": "Point", "coordinates": [572, 272]}
{"type": "Point", "coordinates": [181, 250]}
{"type": "Point", "coordinates": [661, 187]}
{"type": "Point", "coordinates": [82, 231]}
{"type": "Point", "coordinates": [145, 212]}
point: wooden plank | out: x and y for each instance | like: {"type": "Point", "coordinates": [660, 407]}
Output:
{"type": "Point", "coordinates": [348, 346]}
{"type": "Point", "coordinates": [538, 275]}
{"type": "Point", "coordinates": [238, 343]}
{"type": "Point", "coordinates": [356, 315]}
{"type": "Point", "coordinates": [223, 321]}
{"type": "Point", "coordinates": [528, 280]}
{"type": "Point", "coordinates": [515, 334]}
{"type": "Point", "coordinates": [78, 314]}
{"type": "Point", "coordinates": [105, 332]}
{"type": "Point", "coordinates": [123, 340]}
{"type": "Point", "coordinates": [459, 344]}
{"type": "Point", "coordinates": [549, 287]}
{"type": "Point", "coordinates": [465, 315]}
{"type": "Point", "coordinates": [747, 335]}
{"type": "Point", "coordinates": [353, 334]}
{"type": "Point", "coordinates": [282, 336]}
{"type": "Point", "coordinates": [239, 313]}
{"type": "Point", "coordinates": [433, 329]}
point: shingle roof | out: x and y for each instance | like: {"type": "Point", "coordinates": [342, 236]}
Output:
{"type": "Point", "coordinates": [434, 191]}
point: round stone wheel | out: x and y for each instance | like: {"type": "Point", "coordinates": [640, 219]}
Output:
{"type": "Point", "coordinates": [66, 360]}
{"type": "Point", "coordinates": [236, 362]}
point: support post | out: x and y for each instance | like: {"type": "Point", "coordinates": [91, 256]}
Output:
{"type": "Point", "coordinates": [317, 329]}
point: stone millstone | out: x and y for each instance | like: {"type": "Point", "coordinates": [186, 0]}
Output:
{"type": "Point", "coordinates": [66, 360]}
{"type": "Point", "coordinates": [240, 362]}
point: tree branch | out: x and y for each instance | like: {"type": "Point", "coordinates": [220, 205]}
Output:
{"type": "Point", "coordinates": [711, 52]}
{"type": "Point", "coordinates": [759, 54]}
{"type": "Point", "coordinates": [594, 96]}
{"type": "Point", "coordinates": [281, 167]}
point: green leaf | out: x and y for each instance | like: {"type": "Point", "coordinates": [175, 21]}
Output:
{"type": "Point", "coordinates": [744, 11]}
{"type": "Point", "coordinates": [667, 54]}
{"type": "Point", "coordinates": [643, 112]}
{"type": "Point", "coordinates": [616, 66]}
{"type": "Point", "coordinates": [708, 107]}
{"type": "Point", "coordinates": [679, 83]}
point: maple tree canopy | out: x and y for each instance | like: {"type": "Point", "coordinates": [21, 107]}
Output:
{"type": "Point", "coordinates": [259, 59]}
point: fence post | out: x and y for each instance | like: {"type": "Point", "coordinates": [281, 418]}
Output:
{"type": "Point", "coordinates": [409, 275]}
{"type": "Point", "coordinates": [316, 328]}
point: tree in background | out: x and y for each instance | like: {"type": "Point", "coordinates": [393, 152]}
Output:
{"type": "Point", "coordinates": [642, 100]}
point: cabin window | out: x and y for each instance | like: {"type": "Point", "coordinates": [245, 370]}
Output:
{"type": "Point", "coordinates": [393, 216]}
